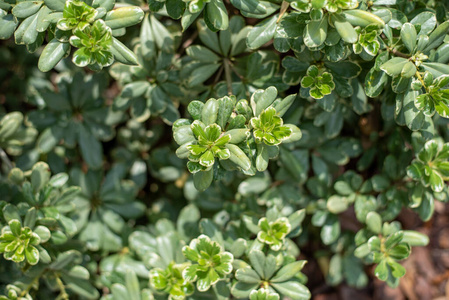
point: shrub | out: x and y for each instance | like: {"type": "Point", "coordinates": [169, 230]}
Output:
{"type": "Point", "coordinates": [189, 149]}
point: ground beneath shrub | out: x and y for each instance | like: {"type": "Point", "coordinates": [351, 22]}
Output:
{"type": "Point", "coordinates": [427, 276]}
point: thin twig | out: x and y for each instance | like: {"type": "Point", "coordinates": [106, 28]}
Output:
{"type": "Point", "coordinates": [235, 71]}
{"type": "Point", "coordinates": [220, 71]}
{"type": "Point", "coordinates": [398, 53]}
{"type": "Point", "coordinates": [187, 43]}
{"type": "Point", "coordinates": [228, 76]}
{"type": "Point", "coordinates": [63, 294]}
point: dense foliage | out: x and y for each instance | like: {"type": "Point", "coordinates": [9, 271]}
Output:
{"type": "Point", "coordinates": [189, 149]}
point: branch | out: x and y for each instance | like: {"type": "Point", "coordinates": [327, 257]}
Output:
{"type": "Point", "coordinates": [398, 53]}
{"type": "Point", "coordinates": [228, 76]}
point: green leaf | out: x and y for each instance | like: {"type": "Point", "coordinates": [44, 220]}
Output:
{"type": "Point", "coordinates": [436, 182]}
{"type": "Point", "coordinates": [91, 148]}
{"type": "Point", "coordinates": [247, 275]}
{"type": "Point", "coordinates": [414, 238]}
{"type": "Point", "coordinates": [239, 157]}
{"type": "Point", "coordinates": [374, 222]}
{"type": "Point", "coordinates": [26, 8]}
{"type": "Point", "coordinates": [16, 227]}
{"type": "Point", "coordinates": [394, 66]}
{"type": "Point", "coordinates": [122, 53]}
{"type": "Point", "coordinates": [209, 113]}
{"type": "Point", "coordinates": [124, 17]}
{"type": "Point", "coordinates": [8, 25]}
{"type": "Point", "coordinates": [57, 5]}
{"type": "Point", "coordinates": [381, 270]}
{"type": "Point", "coordinates": [175, 8]}
{"type": "Point", "coordinates": [330, 230]}
{"type": "Point", "coordinates": [162, 36]}
{"type": "Point", "coordinates": [217, 15]}
{"type": "Point", "coordinates": [437, 36]}
{"type": "Point", "coordinates": [362, 18]}
{"type": "Point", "coordinates": [288, 271]}
{"type": "Point", "coordinates": [293, 289]}
{"type": "Point", "coordinates": [336, 204]}
{"type": "Point", "coordinates": [408, 36]}
{"type": "Point", "coordinates": [242, 289]}
{"type": "Point", "coordinates": [26, 33]}
{"type": "Point", "coordinates": [315, 33]}
{"type": "Point", "coordinates": [32, 255]}
{"type": "Point", "coordinates": [202, 180]}
{"type": "Point", "coordinates": [40, 175]}
{"type": "Point", "coordinates": [251, 6]}
{"type": "Point", "coordinates": [147, 39]}
{"type": "Point", "coordinates": [52, 54]}
{"type": "Point", "coordinates": [202, 54]}
{"type": "Point", "coordinates": [262, 33]}
{"type": "Point", "coordinates": [188, 18]}
{"type": "Point", "coordinates": [345, 29]}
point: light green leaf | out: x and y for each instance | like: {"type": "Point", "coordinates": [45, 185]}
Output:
{"type": "Point", "coordinates": [408, 36]}
{"type": "Point", "coordinates": [315, 33]}
{"type": "Point", "coordinates": [124, 17]}
{"type": "Point", "coordinates": [262, 33]}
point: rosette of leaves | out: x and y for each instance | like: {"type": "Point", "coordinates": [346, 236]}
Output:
{"type": "Point", "coordinates": [18, 243]}
{"type": "Point", "coordinates": [102, 207]}
{"type": "Point", "coordinates": [386, 246]}
{"type": "Point", "coordinates": [273, 233]}
{"type": "Point", "coordinates": [223, 55]}
{"type": "Point", "coordinates": [48, 202]}
{"type": "Point", "coordinates": [319, 83]}
{"type": "Point", "coordinates": [61, 20]}
{"type": "Point", "coordinates": [268, 128]}
{"type": "Point", "coordinates": [367, 41]}
{"type": "Point", "coordinates": [76, 114]}
{"type": "Point", "coordinates": [14, 293]}
{"type": "Point", "coordinates": [14, 135]}
{"type": "Point", "coordinates": [275, 230]}
{"type": "Point", "coordinates": [171, 281]}
{"type": "Point", "coordinates": [94, 42]}
{"type": "Point", "coordinates": [43, 204]}
{"type": "Point", "coordinates": [334, 75]}
{"type": "Point", "coordinates": [204, 140]}
{"type": "Point", "coordinates": [431, 166]}
{"type": "Point", "coordinates": [76, 14]}
{"type": "Point", "coordinates": [436, 96]}
{"type": "Point", "coordinates": [210, 263]}
{"type": "Point", "coordinates": [81, 26]}
{"type": "Point", "coordinates": [267, 125]}
{"type": "Point", "coordinates": [280, 275]}
{"type": "Point", "coordinates": [211, 145]}
{"type": "Point", "coordinates": [153, 87]}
